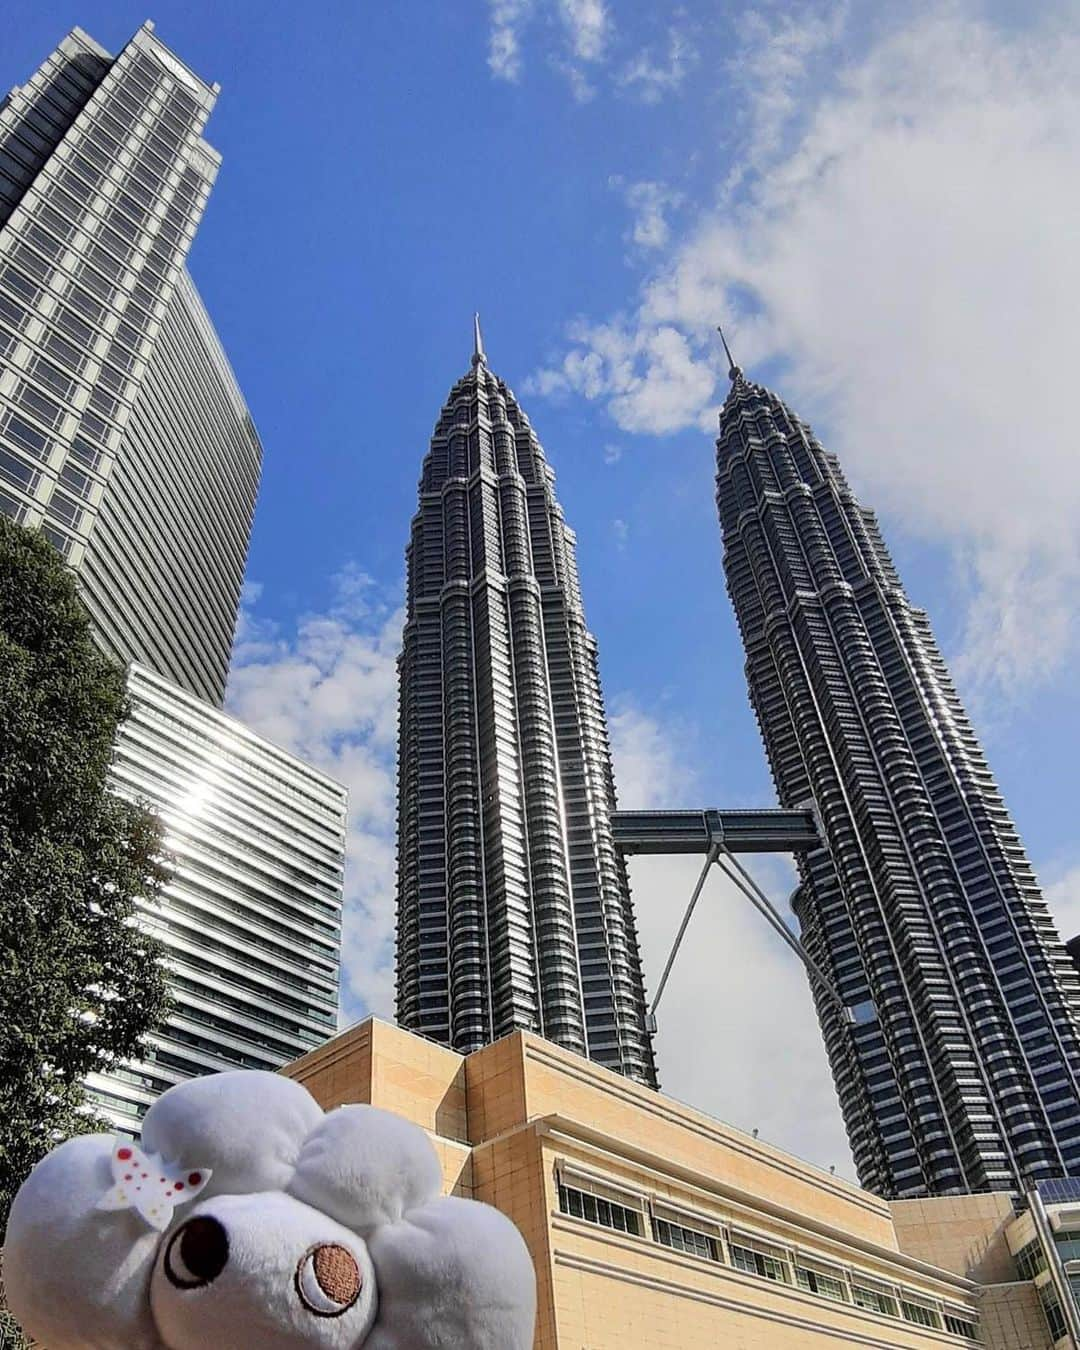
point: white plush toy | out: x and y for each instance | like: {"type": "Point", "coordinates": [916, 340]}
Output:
{"type": "Point", "coordinates": [247, 1218]}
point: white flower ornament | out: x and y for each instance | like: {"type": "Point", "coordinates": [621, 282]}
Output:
{"type": "Point", "coordinates": [143, 1182]}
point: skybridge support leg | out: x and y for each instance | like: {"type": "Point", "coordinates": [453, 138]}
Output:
{"type": "Point", "coordinates": [735, 872]}
{"type": "Point", "coordinates": [710, 858]}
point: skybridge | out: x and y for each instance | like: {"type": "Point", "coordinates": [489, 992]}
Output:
{"type": "Point", "coordinates": [695, 831]}
{"type": "Point", "coordinates": [719, 836]}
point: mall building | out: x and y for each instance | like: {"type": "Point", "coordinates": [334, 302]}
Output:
{"type": "Point", "coordinates": [655, 1227]}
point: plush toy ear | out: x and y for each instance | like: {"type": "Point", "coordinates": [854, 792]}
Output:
{"type": "Point", "coordinates": [76, 1276]}
{"type": "Point", "coordinates": [246, 1127]}
{"type": "Point", "coordinates": [453, 1273]}
{"type": "Point", "coordinates": [366, 1167]}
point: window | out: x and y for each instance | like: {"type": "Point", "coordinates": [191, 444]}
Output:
{"type": "Point", "coordinates": [91, 172]}
{"type": "Point", "coordinates": [65, 351]}
{"type": "Point", "coordinates": [52, 377]}
{"type": "Point", "coordinates": [688, 1240]}
{"type": "Point", "coordinates": [103, 402]}
{"type": "Point", "coordinates": [1055, 1318]}
{"type": "Point", "coordinates": [64, 509]}
{"type": "Point", "coordinates": [75, 327]}
{"type": "Point", "coordinates": [22, 433]}
{"type": "Point", "coordinates": [961, 1326]}
{"type": "Point", "coordinates": [15, 281]}
{"type": "Point", "coordinates": [11, 313]}
{"type": "Point", "coordinates": [875, 1298]}
{"type": "Point", "coordinates": [824, 1280]}
{"type": "Point", "coordinates": [104, 262]}
{"type": "Point", "coordinates": [126, 334]}
{"type": "Point", "coordinates": [759, 1259]}
{"type": "Point", "coordinates": [1067, 1241]}
{"type": "Point", "coordinates": [1030, 1260]}
{"type": "Point", "coordinates": [86, 304]}
{"type": "Point", "coordinates": [59, 540]}
{"type": "Point", "coordinates": [95, 153]}
{"type": "Point", "coordinates": [920, 1313]}
{"type": "Point", "coordinates": [50, 413]}
{"type": "Point", "coordinates": [67, 203]}
{"type": "Point", "coordinates": [16, 470]}
{"type": "Point", "coordinates": [130, 229]}
{"type": "Point", "coordinates": [44, 241]}
{"type": "Point", "coordinates": [95, 427]}
{"type": "Point", "coordinates": [76, 480]}
{"type": "Point", "coordinates": [98, 284]}
{"type": "Point", "coordinates": [11, 506]}
{"type": "Point", "coordinates": [595, 1209]}
{"type": "Point", "coordinates": [112, 379]}
{"type": "Point", "coordinates": [114, 243]}
{"type": "Point", "coordinates": [85, 453]}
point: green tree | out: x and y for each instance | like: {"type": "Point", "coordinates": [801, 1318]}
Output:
{"type": "Point", "coordinates": [80, 983]}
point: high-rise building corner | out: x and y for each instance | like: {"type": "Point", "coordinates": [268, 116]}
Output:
{"type": "Point", "coordinates": [123, 432]}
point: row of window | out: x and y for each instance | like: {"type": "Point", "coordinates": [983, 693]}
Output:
{"type": "Point", "coordinates": [753, 1256]}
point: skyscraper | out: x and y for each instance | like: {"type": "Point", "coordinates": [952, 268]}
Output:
{"type": "Point", "coordinates": [250, 916]}
{"type": "Point", "coordinates": [513, 905]}
{"type": "Point", "coordinates": [123, 433]}
{"type": "Point", "coordinates": [958, 1063]}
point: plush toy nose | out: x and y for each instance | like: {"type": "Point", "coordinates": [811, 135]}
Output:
{"type": "Point", "coordinates": [328, 1279]}
{"type": "Point", "coordinates": [197, 1253]}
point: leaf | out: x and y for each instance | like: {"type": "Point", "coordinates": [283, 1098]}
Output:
{"type": "Point", "coordinates": [80, 984]}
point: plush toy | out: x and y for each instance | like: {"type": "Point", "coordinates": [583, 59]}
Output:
{"type": "Point", "coordinates": [247, 1218]}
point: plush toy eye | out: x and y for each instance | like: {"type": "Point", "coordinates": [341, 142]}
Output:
{"type": "Point", "coordinates": [328, 1280]}
{"type": "Point", "coordinates": [197, 1253]}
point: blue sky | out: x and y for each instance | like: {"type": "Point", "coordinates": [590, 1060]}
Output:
{"type": "Point", "coordinates": [879, 207]}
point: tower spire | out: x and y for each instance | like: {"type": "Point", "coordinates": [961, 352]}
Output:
{"type": "Point", "coordinates": [734, 371]}
{"type": "Point", "coordinates": [478, 356]}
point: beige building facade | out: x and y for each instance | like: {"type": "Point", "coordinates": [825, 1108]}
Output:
{"type": "Point", "coordinates": [653, 1226]}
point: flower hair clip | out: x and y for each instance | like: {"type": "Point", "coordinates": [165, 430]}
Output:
{"type": "Point", "coordinates": [143, 1182]}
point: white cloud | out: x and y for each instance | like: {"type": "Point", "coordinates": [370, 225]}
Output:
{"type": "Point", "coordinates": [621, 530]}
{"type": "Point", "coordinates": [588, 27]}
{"type": "Point", "coordinates": [772, 64]}
{"type": "Point", "coordinates": [910, 254]}
{"type": "Point", "coordinates": [650, 203]}
{"type": "Point", "coordinates": [612, 454]}
{"type": "Point", "coordinates": [650, 377]}
{"type": "Point", "coordinates": [766, 1067]}
{"type": "Point", "coordinates": [653, 759]}
{"type": "Point", "coordinates": [650, 78]}
{"type": "Point", "coordinates": [585, 27]}
{"type": "Point", "coordinates": [1063, 897]}
{"type": "Point", "coordinates": [504, 40]}
{"type": "Point", "coordinates": [328, 693]}
{"type": "Point", "coordinates": [581, 87]}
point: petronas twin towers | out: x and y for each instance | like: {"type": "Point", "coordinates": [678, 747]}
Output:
{"type": "Point", "coordinates": [954, 1038]}
{"type": "Point", "coordinates": [958, 1062]}
{"type": "Point", "coordinates": [513, 905]}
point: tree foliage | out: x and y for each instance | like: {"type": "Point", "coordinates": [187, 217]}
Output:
{"type": "Point", "coordinates": [80, 983]}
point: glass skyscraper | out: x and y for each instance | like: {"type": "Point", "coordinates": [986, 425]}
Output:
{"type": "Point", "coordinates": [958, 1061]}
{"type": "Point", "coordinates": [125, 437]}
{"type": "Point", "coordinates": [513, 904]}
{"type": "Point", "coordinates": [251, 913]}
{"type": "Point", "coordinates": [123, 433]}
